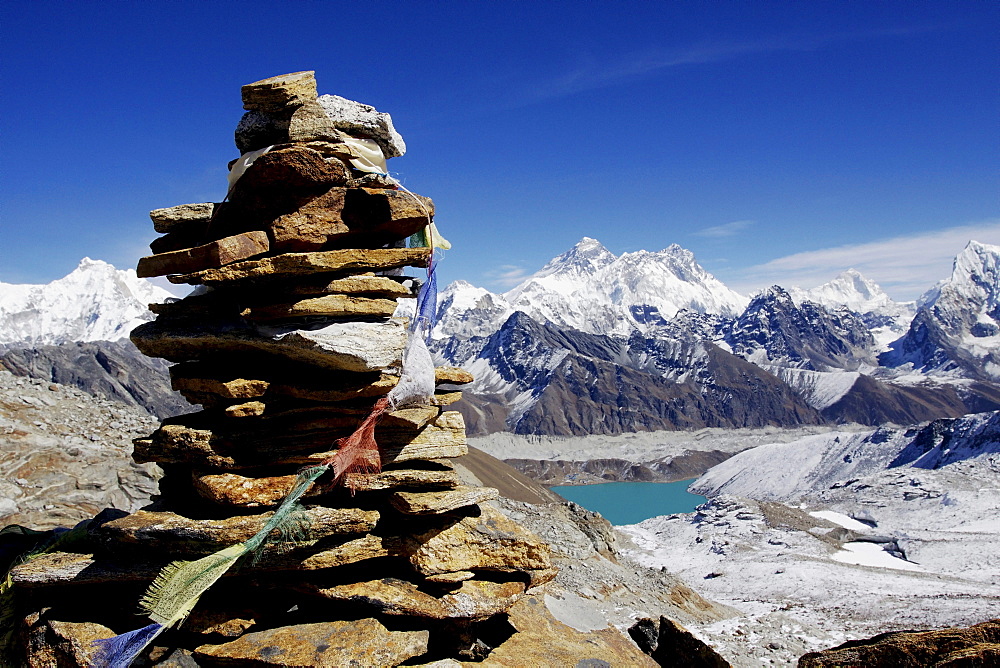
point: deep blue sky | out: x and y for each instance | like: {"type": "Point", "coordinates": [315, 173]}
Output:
{"type": "Point", "coordinates": [745, 131]}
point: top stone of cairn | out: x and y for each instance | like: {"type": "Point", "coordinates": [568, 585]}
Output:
{"type": "Point", "coordinates": [281, 92]}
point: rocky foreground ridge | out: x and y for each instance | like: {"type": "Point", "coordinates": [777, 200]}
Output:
{"type": "Point", "coordinates": [66, 455]}
{"type": "Point", "coordinates": [598, 584]}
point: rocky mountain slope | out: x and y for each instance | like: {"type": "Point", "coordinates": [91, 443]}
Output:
{"type": "Point", "coordinates": [113, 370]}
{"type": "Point", "coordinates": [67, 455]}
{"type": "Point", "coordinates": [561, 381]}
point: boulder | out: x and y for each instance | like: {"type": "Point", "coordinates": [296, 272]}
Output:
{"type": "Point", "coordinates": [310, 122]}
{"type": "Point", "coordinates": [246, 409]}
{"type": "Point", "coordinates": [176, 218]}
{"type": "Point", "coordinates": [348, 552]}
{"type": "Point", "coordinates": [284, 173]}
{"type": "Point", "coordinates": [972, 646]}
{"type": "Point", "coordinates": [312, 226]}
{"type": "Point", "coordinates": [257, 130]}
{"type": "Point", "coordinates": [332, 306]}
{"type": "Point", "coordinates": [487, 542]}
{"type": "Point", "coordinates": [471, 599]}
{"type": "Point", "coordinates": [670, 644]}
{"type": "Point", "coordinates": [437, 502]}
{"type": "Point", "coordinates": [345, 346]}
{"type": "Point", "coordinates": [542, 640]}
{"type": "Point", "coordinates": [362, 120]}
{"type": "Point", "coordinates": [234, 388]}
{"type": "Point", "coordinates": [60, 568]}
{"type": "Point", "coordinates": [51, 642]}
{"type": "Point", "coordinates": [176, 535]}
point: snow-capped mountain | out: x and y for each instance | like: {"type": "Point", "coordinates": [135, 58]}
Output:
{"type": "Point", "coordinates": [956, 330]}
{"type": "Point", "coordinates": [94, 302]}
{"type": "Point", "coordinates": [590, 289]}
{"type": "Point", "coordinates": [887, 319]}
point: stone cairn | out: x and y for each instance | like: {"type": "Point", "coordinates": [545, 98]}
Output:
{"type": "Point", "coordinates": [288, 344]}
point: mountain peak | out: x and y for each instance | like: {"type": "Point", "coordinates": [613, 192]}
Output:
{"type": "Point", "coordinates": [976, 260]}
{"type": "Point", "coordinates": [94, 302]}
{"type": "Point", "coordinates": [590, 289]}
{"type": "Point", "coordinates": [851, 289]}
{"type": "Point", "coordinates": [584, 258]}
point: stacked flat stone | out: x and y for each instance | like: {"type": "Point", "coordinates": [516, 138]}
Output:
{"type": "Point", "coordinates": [286, 346]}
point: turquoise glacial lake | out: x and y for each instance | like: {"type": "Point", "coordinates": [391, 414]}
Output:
{"type": "Point", "coordinates": [632, 502]}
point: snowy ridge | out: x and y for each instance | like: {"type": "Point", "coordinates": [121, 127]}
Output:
{"type": "Point", "coordinates": [828, 460]}
{"type": "Point", "coordinates": [591, 290]}
{"type": "Point", "coordinates": [886, 318]}
{"type": "Point", "coordinates": [851, 289]}
{"type": "Point", "coordinates": [820, 389]}
{"type": "Point", "coordinates": [94, 302]}
{"type": "Point", "coordinates": [618, 295]}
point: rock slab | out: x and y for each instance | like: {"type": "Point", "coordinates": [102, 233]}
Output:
{"type": "Point", "coordinates": [325, 644]}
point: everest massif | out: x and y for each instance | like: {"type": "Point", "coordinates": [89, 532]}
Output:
{"type": "Point", "coordinates": [595, 343]}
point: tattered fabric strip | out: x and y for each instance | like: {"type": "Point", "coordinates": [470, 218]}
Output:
{"type": "Point", "coordinates": [358, 453]}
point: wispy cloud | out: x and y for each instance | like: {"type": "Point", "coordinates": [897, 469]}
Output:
{"type": "Point", "coordinates": [597, 73]}
{"type": "Point", "coordinates": [726, 230]}
{"type": "Point", "coordinates": [506, 276]}
{"type": "Point", "coordinates": [904, 266]}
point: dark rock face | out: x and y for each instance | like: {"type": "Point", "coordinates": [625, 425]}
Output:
{"type": "Point", "coordinates": [872, 402]}
{"type": "Point", "coordinates": [977, 645]}
{"type": "Point", "coordinates": [807, 336]}
{"type": "Point", "coordinates": [670, 644]}
{"type": "Point", "coordinates": [577, 383]}
{"type": "Point", "coordinates": [112, 369]}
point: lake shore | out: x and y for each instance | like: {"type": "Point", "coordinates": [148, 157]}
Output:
{"type": "Point", "coordinates": [660, 456]}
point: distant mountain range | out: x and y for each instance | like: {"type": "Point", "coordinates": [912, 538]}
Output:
{"type": "Point", "coordinates": [598, 343]}
{"type": "Point", "coordinates": [595, 343]}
